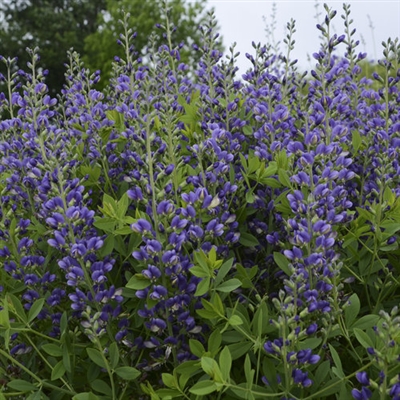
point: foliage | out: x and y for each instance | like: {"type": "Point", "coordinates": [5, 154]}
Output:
{"type": "Point", "coordinates": [184, 18]}
{"type": "Point", "coordinates": [91, 28]}
{"type": "Point", "coordinates": [202, 237]}
{"type": "Point", "coordinates": [52, 25]}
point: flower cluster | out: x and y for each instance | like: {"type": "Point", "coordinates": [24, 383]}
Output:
{"type": "Point", "coordinates": [204, 232]}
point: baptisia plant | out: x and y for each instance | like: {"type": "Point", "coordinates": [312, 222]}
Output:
{"type": "Point", "coordinates": [189, 234]}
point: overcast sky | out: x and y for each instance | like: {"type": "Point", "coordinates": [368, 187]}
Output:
{"type": "Point", "coordinates": [241, 21]}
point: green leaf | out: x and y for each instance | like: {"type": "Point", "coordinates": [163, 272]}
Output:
{"type": "Point", "coordinates": [284, 178]}
{"type": "Point", "coordinates": [245, 275]}
{"type": "Point", "coordinates": [248, 371]}
{"type": "Point", "coordinates": [138, 282]}
{"type": "Point", "coordinates": [217, 304]}
{"type": "Point", "coordinates": [365, 214]}
{"type": "Point", "coordinates": [63, 323]}
{"type": "Point", "coordinates": [203, 388]}
{"type": "Point", "coordinates": [199, 271]}
{"type": "Point", "coordinates": [21, 385]}
{"type": "Point", "coordinates": [167, 394]}
{"type": "Point", "coordinates": [35, 396]}
{"type": "Point", "coordinates": [125, 230]}
{"type": "Point", "coordinates": [123, 205]}
{"type": "Point", "coordinates": [260, 323]}
{"type": "Point", "coordinates": [203, 287]}
{"type": "Point", "coordinates": [247, 130]}
{"type": "Point", "coordinates": [363, 338]}
{"type": "Point", "coordinates": [201, 259]}
{"type": "Point", "coordinates": [389, 196]}
{"type": "Point", "coordinates": [356, 140]}
{"type": "Point", "coordinates": [225, 363]}
{"type": "Point", "coordinates": [52, 349]}
{"type": "Point", "coordinates": [254, 163]}
{"type": "Point", "coordinates": [35, 309]}
{"type": "Point", "coordinates": [321, 373]}
{"type": "Point", "coordinates": [93, 372]}
{"type": "Point", "coordinates": [237, 350]}
{"type": "Point", "coordinates": [96, 357]}
{"type": "Point", "coordinates": [271, 182]}
{"type": "Point", "coordinates": [4, 316]}
{"type": "Point", "coordinates": [101, 387]}
{"type": "Point", "coordinates": [282, 262]}
{"type": "Point", "coordinates": [188, 367]}
{"type": "Point", "coordinates": [250, 198]}
{"type": "Point", "coordinates": [107, 247]}
{"type": "Point", "coordinates": [207, 314]}
{"type": "Point", "coordinates": [248, 240]}
{"type": "Point", "coordinates": [92, 172]}
{"type": "Point", "coordinates": [352, 310]}
{"type": "Point", "coordinates": [196, 348]}
{"type": "Point", "coordinates": [105, 133]}
{"type": "Point", "coordinates": [120, 246]}
{"type": "Point", "coordinates": [229, 286]}
{"type": "Point", "coordinates": [16, 307]}
{"type": "Point", "coordinates": [243, 161]}
{"type": "Point", "coordinates": [113, 353]}
{"type": "Point", "coordinates": [310, 343]}
{"type": "Point", "coordinates": [66, 358]}
{"type": "Point", "coordinates": [390, 227]}
{"type": "Point", "coordinates": [211, 368]}
{"type": "Point", "coordinates": [365, 322]}
{"type": "Point", "coordinates": [85, 396]}
{"type": "Point", "coordinates": [58, 371]}
{"type": "Point", "coordinates": [332, 387]}
{"type": "Point", "coordinates": [235, 320]}
{"type": "Point", "coordinates": [169, 380]}
{"type": "Point", "coordinates": [271, 169]}
{"type": "Point", "coordinates": [335, 356]}
{"type": "Point", "coordinates": [127, 373]}
{"type": "Point", "coordinates": [223, 271]}
{"type": "Point", "coordinates": [214, 342]}
{"type": "Point", "coordinates": [106, 224]}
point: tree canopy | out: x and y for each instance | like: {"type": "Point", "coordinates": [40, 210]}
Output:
{"type": "Point", "coordinates": [91, 28]}
{"type": "Point", "coordinates": [100, 47]}
{"type": "Point", "coordinates": [52, 25]}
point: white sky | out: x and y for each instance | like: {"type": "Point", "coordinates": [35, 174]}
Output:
{"type": "Point", "coordinates": [241, 21]}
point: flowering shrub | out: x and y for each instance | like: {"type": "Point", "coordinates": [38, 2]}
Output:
{"type": "Point", "coordinates": [201, 236]}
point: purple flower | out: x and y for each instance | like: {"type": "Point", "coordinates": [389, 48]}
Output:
{"type": "Point", "coordinates": [363, 394]}
{"type": "Point", "coordinates": [362, 377]}
{"type": "Point", "coordinates": [301, 378]}
{"type": "Point", "coordinates": [141, 226]}
{"type": "Point", "coordinates": [306, 356]}
{"type": "Point", "coordinates": [215, 228]}
{"type": "Point", "coordinates": [156, 324]}
{"type": "Point", "coordinates": [135, 194]}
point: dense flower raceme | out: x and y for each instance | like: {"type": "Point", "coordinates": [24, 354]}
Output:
{"type": "Point", "coordinates": [185, 215]}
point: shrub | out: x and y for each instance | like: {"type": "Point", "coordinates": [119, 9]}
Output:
{"type": "Point", "coordinates": [202, 237]}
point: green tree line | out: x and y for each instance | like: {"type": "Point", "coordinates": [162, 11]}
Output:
{"type": "Point", "coordinates": [91, 28]}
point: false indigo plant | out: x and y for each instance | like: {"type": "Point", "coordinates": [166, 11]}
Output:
{"type": "Point", "coordinates": [202, 236]}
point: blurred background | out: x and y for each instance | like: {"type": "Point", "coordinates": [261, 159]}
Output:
{"type": "Point", "coordinates": [91, 28]}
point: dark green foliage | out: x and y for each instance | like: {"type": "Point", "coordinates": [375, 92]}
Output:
{"type": "Point", "coordinates": [52, 25]}
{"type": "Point", "coordinates": [91, 28]}
{"type": "Point", "coordinates": [100, 47]}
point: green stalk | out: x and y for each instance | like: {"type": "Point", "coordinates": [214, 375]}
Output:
{"type": "Point", "coordinates": [154, 211]}
{"type": "Point", "coordinates": [46, 362]}
{"type": "Point", "coordinates": [110, 374]}
{"type": "Point", "coordinates": [41, 382]}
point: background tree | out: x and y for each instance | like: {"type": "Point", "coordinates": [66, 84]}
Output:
{"type": "Point", "coordinates": [101, 47]}
{"type": "Point", "coordinates": [52, 25]}
{"type": "Point", "coordinates": [91, 27]}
